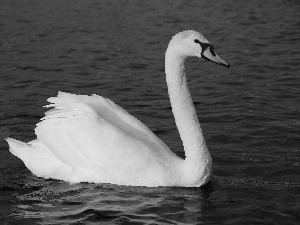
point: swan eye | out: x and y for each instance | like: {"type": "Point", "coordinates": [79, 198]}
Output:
{"type": "Point", "coordinates": [197, 41]}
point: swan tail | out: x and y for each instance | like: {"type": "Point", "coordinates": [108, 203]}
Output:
{"type": "Point", "coordinates": [39, 160]}
{"type": "Point", "coordinates": [17, 148]}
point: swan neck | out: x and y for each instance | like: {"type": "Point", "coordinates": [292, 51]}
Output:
{"type": "Point", "coordinates": [184, 111]}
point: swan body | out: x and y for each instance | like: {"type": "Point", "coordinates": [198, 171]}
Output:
{"type": "Point", "coordinates": [91, 139]}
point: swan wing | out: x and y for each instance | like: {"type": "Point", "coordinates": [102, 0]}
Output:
{"type": "Point", "coordinates": [91, 131]}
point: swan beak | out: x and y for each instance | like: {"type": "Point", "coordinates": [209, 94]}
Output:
{"type": "Point", "coordinates": [210, 55]}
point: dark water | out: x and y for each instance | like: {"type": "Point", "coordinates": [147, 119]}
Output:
{"type": "Point", "coordinates": [249, 113]}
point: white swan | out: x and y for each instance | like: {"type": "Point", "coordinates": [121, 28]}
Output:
{"type": "Point", "coordinates": [91, 139]}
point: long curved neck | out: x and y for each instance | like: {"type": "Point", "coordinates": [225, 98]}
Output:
{"type": "Point", "coordinates": [184, 111]}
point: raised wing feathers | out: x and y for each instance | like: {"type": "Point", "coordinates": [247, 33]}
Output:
{"type": "Point", "coordinates": [91, 130]}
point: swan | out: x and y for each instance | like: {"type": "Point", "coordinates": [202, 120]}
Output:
{"type": "Point", "coordinates": [91, 139]}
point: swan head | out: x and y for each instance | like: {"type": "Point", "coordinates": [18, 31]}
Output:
{"type": "Point", "coordinates": [193, 44]}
